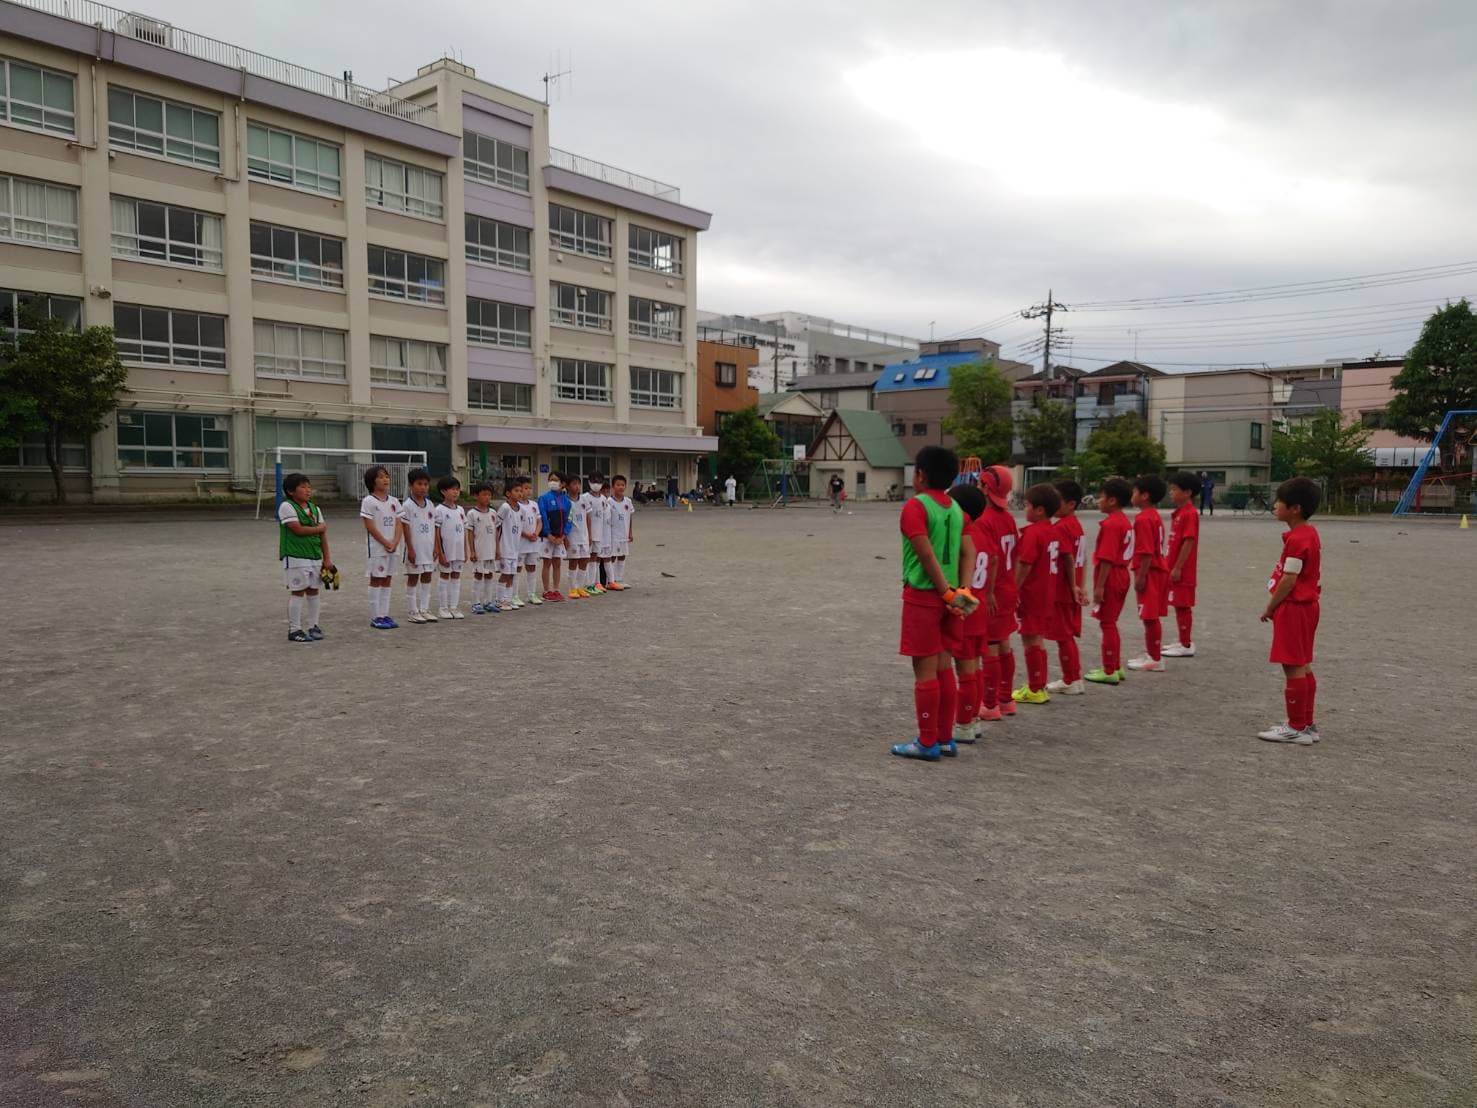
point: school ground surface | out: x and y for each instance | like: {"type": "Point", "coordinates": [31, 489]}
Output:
{"type": "Point", "coordinates": [650, 849]}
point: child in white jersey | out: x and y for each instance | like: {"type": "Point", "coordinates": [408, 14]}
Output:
{"type": "Point", "coordinates": [622, 532]}
{"type": "Point", "coordinates": [529, 542]}
{"type": "Point", "coordinates": [509, 536]}
{"type": "Point", "coordinates": [418, 525]}
{"type": "Point", "coordinates": [451, 547]}
{"type": "Point", "coordinates": [600, 531]}
{"type": "Point", "coordinates": [482, 528]}
{"type": "Point", "coordinates": [578, 547]}
{"type": "Point", "coordinates": [381, 514]}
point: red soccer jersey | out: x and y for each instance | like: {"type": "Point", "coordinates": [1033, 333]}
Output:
{"type": "Point", "coordinates": [1114, 540]}
{"type": "Point", "coordinates": [1184, 525]}
{"type": "Point", "coordinates": [1001, 537]}
{"type": "Point", "coordinates": [1150, 543]}
{"type": "Point", "coordinates": [976, 623]}
{"type": "Point", "coordinates": [1302, 543]}
{"type": "Point", "coordinates": [1039, 547]}
{"type": "Point", "coordinates": [1070, 534]}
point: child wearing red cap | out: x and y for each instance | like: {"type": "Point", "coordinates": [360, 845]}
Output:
{"type": "Point", "coordinates": [998, 525]}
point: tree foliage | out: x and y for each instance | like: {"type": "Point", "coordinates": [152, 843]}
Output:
{"type": "Point", "coordinates": [1327, 448]}
{"type": "Point", "coordinates": [1045, 429]}
{"type": "Point", "coordinates": [1122, 446]}
{"type": "Point", "coordinates": [745, 441]}
{"type": "Point", "coordinates": [1440, 373]}
{"type": "Point", "coordinates": [979, 412]}
{"type": "Point", "coordinates": [62, 384]}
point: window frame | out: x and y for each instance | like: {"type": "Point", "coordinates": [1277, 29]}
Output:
{"type": "Point", "coordinates": [172, 347]}
{"type": "Point", "coordinates": [422, 291]}
{"type": "Point", "coordinates": [273, 268]}
{"type": "Point", "coordinates": [307, 459]}
{"type": "Point", "coordinates": [918, 429]}
{"type": "Point", "coordinates": [580, 318]}
{"type": "Point", "coordinates": [587, 460]}
{"type": "Point", "coordinates": [276, 370]}
{"type": "Point", "coordinates": [649, 396]}
{"type": "Point", "coordinates": [477, 398]}
{"type": "Point", "coordinates": [1258, 435]}
{"type": "Point", "coordinates": [174, 252]}
{"type": "Point", "coordinates": [498, 255]}
{"type": "Point", "coordinates": [37, 460]}
{"type": "Point", "coordinates": [219, 424]}
{"type": "Point", "coordinates": [579, 389]}
{"type": "Point", "coordinates": [577, 238]}
{"type": "Point", "coordinates": [20, 299]}
{"type": "Point", "coordinates": [416, 206]}
{"type": "Point", "coordinates": [116, 141]}
{"type": "Point", "coordinates": [731, 374]}
{"type": "Point", "coordinates": [8, 99]}
{"type": "Point", "coordinates": [649, 256]}
{"type": "Point", "coordinates": [505, 333]}
{"type": "Point", "coordinates": [48, 226]}
{"type": "Point", "coordinates": [291, 169]}
{"type": "Point", "coordinates": [477, 168]}
{"type": "Point", "coordinates": [379, 371]}
{"type": "Point", "coordinates": [651, 327]}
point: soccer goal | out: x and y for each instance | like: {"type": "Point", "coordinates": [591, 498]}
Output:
{"type": "Point", "coordinates": [1444, 496]}
{"type": "Point", "coordinates": [347, 466]}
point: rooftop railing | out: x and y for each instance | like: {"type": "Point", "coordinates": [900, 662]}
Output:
{"type": "Point", "coordinates": [159, 33]}
{"type": "Point", "coordinates": [589, 167]}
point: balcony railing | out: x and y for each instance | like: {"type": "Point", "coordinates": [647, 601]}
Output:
{"type": "Point", "coordinates": [159, 33]}
{"type": "Point", "coordinates": [589, 167]}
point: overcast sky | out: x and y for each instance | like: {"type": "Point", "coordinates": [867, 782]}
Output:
{"type": "Point", "coordinates": [945, 162]}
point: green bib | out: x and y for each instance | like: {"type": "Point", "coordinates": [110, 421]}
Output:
{"type": "Point", "coordinates": [309, 547]}
{"type": "Point", "coordinates": [945, 530]}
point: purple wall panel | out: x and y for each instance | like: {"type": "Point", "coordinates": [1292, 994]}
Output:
{"type": "Point", "coordinates": [489, 364]}
{"type": "Point", "coordinates": [486, 283]}
{"type": "Point", "coordinates": [496, 203]}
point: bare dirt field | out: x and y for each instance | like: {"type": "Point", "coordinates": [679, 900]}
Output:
{"type": "Point", "coordinates": [650, 849]}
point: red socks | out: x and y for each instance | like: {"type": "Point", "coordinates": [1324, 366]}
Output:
{"type": "Point", "coordinates": [1311, 698]}
{"type": "Point", "coordinates": [1006, 683]}
{"type": "Point", "coordinates": [1071, 660]}
{"type": "Point", "coordinates": [969, 697]}
{"type": "Point", "coordinates": [1296, 695]}
{"type": "Point", "coordinates": [926, 705]}
{"type": "Point", "coordinates": [990, 681]}
{"type": "Point", "coordinates": [1112, 648]}
{"type": "Point", "coordinates": [1153, 638]}
{"type": "Point", "coordinates": [948, 697]}
{"type": "Point", "coordinates": [1036, 667]}
{"type": "Point", "coordinates": [1185, 618]}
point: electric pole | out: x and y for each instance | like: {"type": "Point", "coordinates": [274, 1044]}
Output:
{"type": "Point", "coordinates": [1037, 311]}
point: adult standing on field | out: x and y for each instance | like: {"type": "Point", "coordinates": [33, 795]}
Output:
{"type": "Point", "coordinates": [1207, 493]}
{"type": "Point", "coordinates": [730, 490]}
{"type": "Point", "coordinates": [671, 490]}
{"type": "Point", "coordinates": [837, 486]}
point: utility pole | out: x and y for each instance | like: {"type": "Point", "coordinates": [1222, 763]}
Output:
{"type": "Point", "coordinates": [1037, 311]}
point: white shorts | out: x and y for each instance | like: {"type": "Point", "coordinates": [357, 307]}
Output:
{"type": "Point", "coordinates": [485, 566]}
{"type": "Point", "coordinates": [412, 568]}
{"type": "Point", "coordinates": [619, 549]}
{"type": "Point", "coordinates": [578, 551]}
{"type": "Point", "coordinates": [550, 550]}
{"type": "Point", "coordinates": [302, 576]}
{"type": "Point", "coordinates": [507, 567]}
{"type": "Point", "coordinates": [380, 565]}
{"type": "Point", "coordinates": [597, 550]}
{"type": "Point", "coordinates": [451, 567]}
{"type": "Point", "coordinates": [529, 560]}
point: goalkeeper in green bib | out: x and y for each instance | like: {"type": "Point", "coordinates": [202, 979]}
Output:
{"type": "Point", "coordinates": [937, 554]}
{"type": "Point", "coordinates": [302, 544]}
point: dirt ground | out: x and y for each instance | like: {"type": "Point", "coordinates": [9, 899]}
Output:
{"type": "Point", "coordinates": [651, 850]}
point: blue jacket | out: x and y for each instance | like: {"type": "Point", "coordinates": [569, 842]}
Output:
{"type": "Point", "coordinates": [553, 509]}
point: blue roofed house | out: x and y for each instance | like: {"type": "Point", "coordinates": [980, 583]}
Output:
{"type": "Point", "coordinates": [914, 395]}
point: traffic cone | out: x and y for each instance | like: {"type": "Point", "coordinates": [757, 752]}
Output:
{"type": "Point", "coordinates": [1465, 526]}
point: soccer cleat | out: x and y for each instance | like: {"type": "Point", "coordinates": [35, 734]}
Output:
{"type": "Point", "coordinates": [389, 623]}
{"type": "Point", "coordinates": [417, 617]}
{"type": "Point", "coordinates": [1312, 729]}
{"type": "Point", "coordinates": [517, 603]}
{"type": "Point", "coordinates": [476, 609]}
{"type": "Point", "coordinates": [535, 600]}
{"type": "Point", "coordinates": [575, 594]}
{"type": "Point", "coordinates": [1146, 664]}
{"type": "Point", "coordinates": [315, 633]}
{"type": "Point", "coordinates": [429, 616]}
{"type": "Point", "coordinates": [967, 733]}
{"type": "Point", "coordinates": [1101, 676]}
{"type": "Point", "coordinates": [916, 749]}
{"type": "Point", "coordinates": [598, 590]}
{"type": "Point", "coordinates": [1007, 706]}
{"type": "Point", "coordinates": [615, 586]}
{"type": "Point", "coordinates": [1066, 688]}
{"type": "Point", "coordinates": [445, 613]}
{"type": "Point", "coordinates": [1027, 695]}
{"type": "Point", "coordinates": [457, 613]}
{"type": "Point", "coordinates": [1282, 733]}
{"type": "Point", "coordinates": [1178, 650]}
{"type": "Point", "coordinates": [378, 623]}
{"type": "Point", "coordinates": [297, 636]}
{"type": "Point", "coordinates": [987, 715]}
{"type": "Point", "coordinates": [948, 749]}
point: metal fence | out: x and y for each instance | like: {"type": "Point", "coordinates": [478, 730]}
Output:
{"type": "Point", "coordinates": [589, 167]}
{"type": "Point", "coordinates": [159, 33]}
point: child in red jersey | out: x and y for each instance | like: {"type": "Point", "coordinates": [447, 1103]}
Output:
{"type": "Point", "coordinates": [1110, 577]}
{"type": "Point", "coordinates": [967, 728]}
{"type": "Point", "coordinates": [999, 528]}
{"type": "Point", "coordinates": [1293, 610]}
{"type": "Point", "coordinates": [936, 556]}
{"type": "Point", "coordinates": [1184, 552]}
{"type": "Point", "coordinates": [1071, 596]}
{"type": "Point", "coordinates": [1150, 570]}
{"type": "Point", "coordinates": [1036, 570]}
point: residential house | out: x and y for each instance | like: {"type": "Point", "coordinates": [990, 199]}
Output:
{"type": "Point", "coordinates": [794, 417]}
{"type": "Point", "coordinates": [1366, 393]}
{"type": "Point", "coordinates": [860, 447]}
{"type": "Point", "coordinates": [914, 395]}
{"type": "Point", "coordinates": [829, 391]}
{"type": "Point", "coordinates": [723, 382]}
{"type": "Point", "coordinates": [1061, 387]}
{"type": "Point", "coordinates": [1219, 421]}
{"type": "Point", "coordinates": [1105, 394]}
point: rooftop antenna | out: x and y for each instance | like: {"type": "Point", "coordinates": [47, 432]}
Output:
{"type": "Point", "coordinates": [557, 73]}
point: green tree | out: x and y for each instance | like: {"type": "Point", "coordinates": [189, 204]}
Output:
{"type": "Point", "coordinates": [745, 441]}
{"type": "Point", "coordinates": [1284, 455]}
{"type": "Point", "coordinates": [1125, 448]}
{"type": "Point", "coordinates": [69, 382]}
{"type": "Point", "coordinates": [979, 412]}
{"type": "Point", "coordinates": [1045, 429]}
{"type": "Point", "coordinates": [1440, 374]}
{"type": "Point", "coordinates": [1327, 448]}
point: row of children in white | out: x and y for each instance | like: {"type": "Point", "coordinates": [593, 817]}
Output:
{"type": "Point", "coordinates": [502, 546]}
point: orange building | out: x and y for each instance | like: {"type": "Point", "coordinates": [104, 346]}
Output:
{"type": "Point", "coordinates": [723, 382]}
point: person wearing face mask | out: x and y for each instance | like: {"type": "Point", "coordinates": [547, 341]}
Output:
{"type": "Point", "coordinates": [597, 512]}
{"type": "Point", "coordinates": [553, 510]}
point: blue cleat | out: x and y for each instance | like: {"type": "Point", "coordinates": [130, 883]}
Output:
{"type": "Point", "coordinates": [389, 623]}
{"type": "Point", "coordinates": [915, 749]}
{"type": "Point", "coordinates": [315, 633]}
{"type": "Point", "coordinates": [949, 749]}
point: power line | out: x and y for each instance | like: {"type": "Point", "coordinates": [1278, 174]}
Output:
{"type": "Point", "coordinates": [1304, 313]}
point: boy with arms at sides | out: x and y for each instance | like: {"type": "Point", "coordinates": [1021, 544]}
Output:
{"type": "Point", "coordinates": [418, 525]}
{"type": "Point", "coordinates": [509, 544]}
{"type": "Point", "coordinates": [1110, 577]}
{"type": "Point", "coordinates": [998, 525]}
{"type": "Point", "coordinates": [1293, 610]}
{"type": "Point", "coordinates": [622, 531]}
{"type": "Point", "coordinates": [1037, 566]}
{"type": "Point", "coordinates": [451, 547]}
{"type": "Point", "coordinates": [381, 515]}
{"type": "Point", "coordinates": [579, 538]}
{"type": "Point", "coordinates": [1150, 570]}
{"type": "Point", "coordinates": [1071, 596]}
{"type": "Point", "coordinates": [936, 557]}
{"type": "Point", "coordinates": [554, 525]}
{"type": "Point", "coordinates": [529, 542]}
{"type": "Point", "coordinates": [302, 545]}
{"type": "Point", "coordinates": [599, 532]}
{"type": "Point", "coordinates": [967, 727]}
{"type": "Point", "coordinates": [1184, 554]}
{"type": "Point", "coordinates": [482, 548]}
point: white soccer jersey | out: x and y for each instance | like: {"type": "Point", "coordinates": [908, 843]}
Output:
{"type": "Point", "coordinates": [420, 526]}
{"type": "Point", "coordinates": [532, 522]}
{"type": "Point", "coordinates": [510, 523]}
{"type": "Point", "coordinates": [579, 520]}
{"type": "Point", "coordinates": [483, 526]}
{"type": "Point", "coordinates": [451, 524]}
{"type": "Point", "coordinates": [621, 512]}
{"type": "Point", "coordinates": [603, 531]}
{"type": "Point", "coordinates": [382, 513]}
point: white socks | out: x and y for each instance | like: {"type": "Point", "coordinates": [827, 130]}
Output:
{"type": "Point", "coordinates": [443, 586]}
{"type": "Point", "coordinates": [384, 601]}
{"type": "Point", "coordinates": [310, 609]}
{"type": "Point", "coordinates": [374, 601]}
{"type": "Point", "coordinates": [454, 591]}
{"type": "Point", "coordinates": [294, 612]}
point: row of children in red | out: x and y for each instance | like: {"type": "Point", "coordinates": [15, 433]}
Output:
{"type": "Point", "coordinates": [971, 580]}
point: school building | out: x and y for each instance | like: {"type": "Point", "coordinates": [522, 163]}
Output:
{"type": "Point", "coordinates": [292, 260]}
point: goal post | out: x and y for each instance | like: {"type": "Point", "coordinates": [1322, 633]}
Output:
{"type": "Point", "coordinates": [349, 466]}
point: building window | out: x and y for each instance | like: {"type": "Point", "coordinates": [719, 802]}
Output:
{"type": "Point", "coordinates": [727, 375]}
{"type": "Point", "coordinates": [290, 350]}
{"type": "Point", "coordinates": [297, 256]}
{"type": "Point", "coordinates": [499, 396]}
{"type": "Point", "coordinates": [398, 187]}
{"type": "Point", "coordinates": [843, 365]}
{"type": "Point", "coordinates": [653, 468]}
{"type": "Point", "coordinates": [652, 319]}
{"type": "Point", "coordinates": [165, 336]}
{"type": "Point", "coordinates": [165, 233]}
{"type": "Point", "coordinates": [828, 399]}
{"type": "Point", "coordinates": [284, 158]}
{"type": "Point", "coordinates": [577, 306]}
{"type": "Point", "coordinates": [1105, 395]}
{"type": "Point", "coordinates": [582, 232]}
{"type": "Point", "coordinates": [302, 435]}
{"type": "Point", "coordinates": [494, 161]}
{"type": "Point", "coordinates": [175, 131]}
{"type": "Point", "coordinates": [899, 428]}
{"type": "Point", "coordinates": [1373, 419]}
{"type": "Point", "coordinates": [17, 306]}
{"type": "Point", "coordinates": [173, 440]}
{"type": "Point", "coordinates": [655, 388]}
{"type": "Point", "coordinates": [721, 418]}
{"type": "Point", "coordinates": [588, 382]}
{"type": "Point", "coordinates": [494, 324]}
{"type": "Point", "coordinates": [494, 243]}
{"type": "Point", "coordinates": [406, 363]}
{"type": "Point", "coordinates": [36, 213]}
{"type": "Point", "coordinates": [920, 428]}
{"type": "Point", "coordinates": [40, 98]}
{"type": "Point", "coordinates": [31, 454]}
{"type": "Point", "coordinates": [656, 251]}
{"type": "Point", "coordinates": [1256, 436]}
{"type": "Point", "coordinates": [581, 463]}
{"type": "Point", "coordinates": [402, 276]}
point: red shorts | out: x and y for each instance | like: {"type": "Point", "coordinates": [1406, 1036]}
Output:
{"type": "Point", "coordinates": [970, 647]}
{"type": "Point", "coordinates": [1038, 617]}
{"type": "Point", "coordinates": [1068, 621]}
{"type": "Point", "coordinates": [930, 629]}
{"type": "Point", "coordinates": [1002, 623]}
{"type": "Point", "coordinates": [1113, 596]}
{"type": "Point", "coordinates": [1181, 596]}
{"type": "Point", "coordinates": [1294, 624]}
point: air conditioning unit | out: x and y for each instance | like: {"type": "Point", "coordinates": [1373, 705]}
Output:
{"type": "Point", "coordinates": [145, 29]}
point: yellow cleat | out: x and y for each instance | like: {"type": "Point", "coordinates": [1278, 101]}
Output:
{"type": "Point", "coordinates": [1024, 695]}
